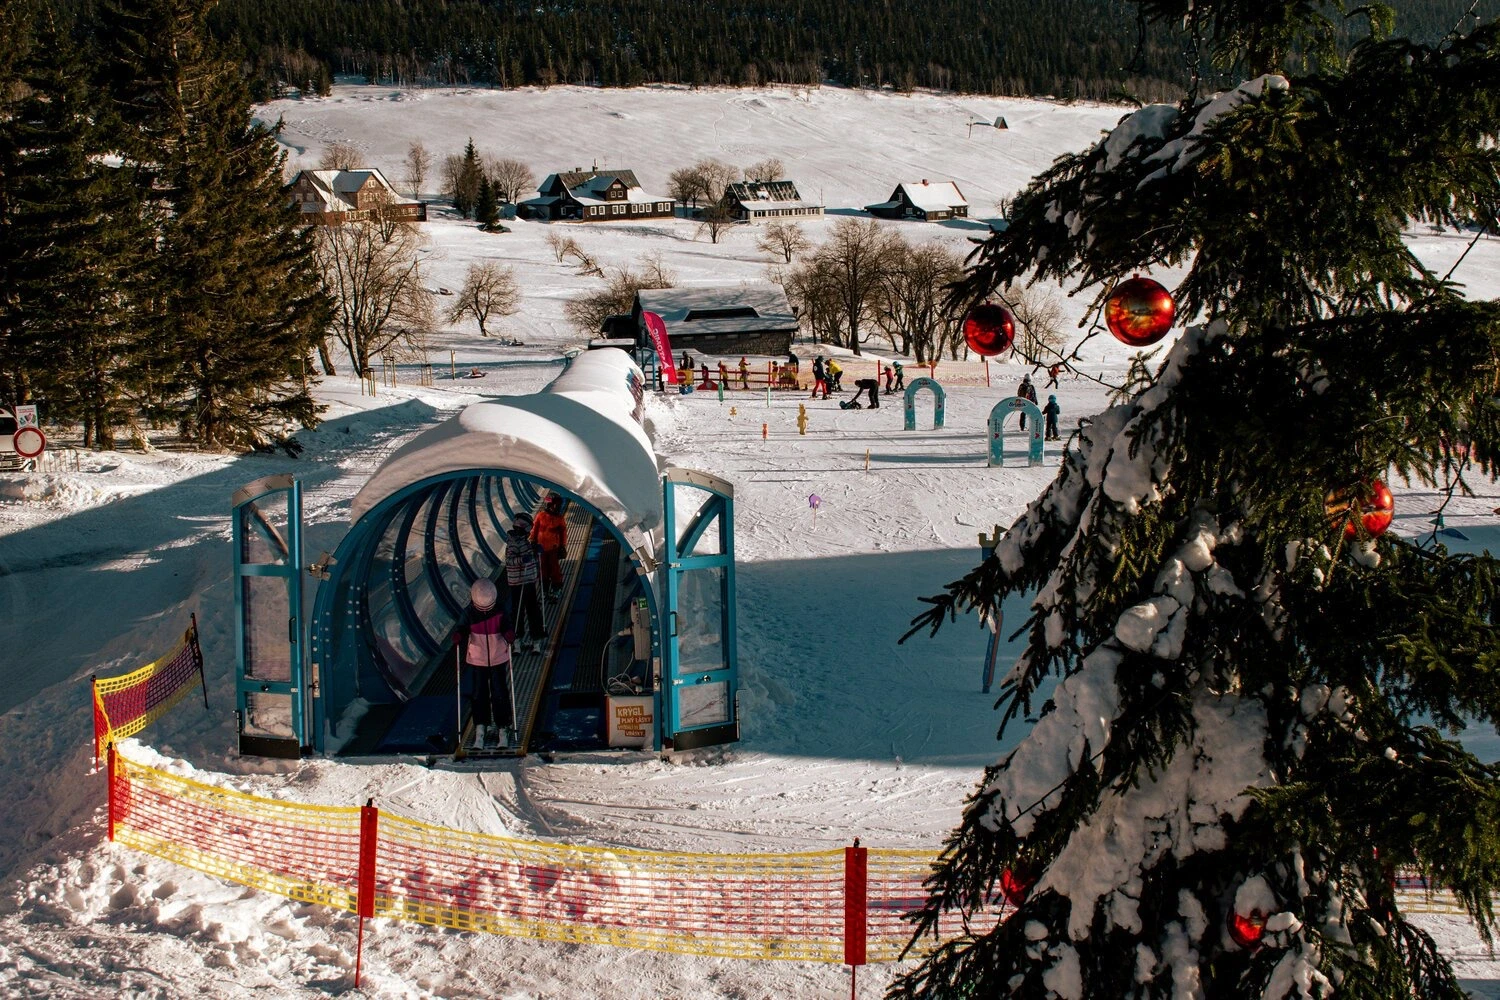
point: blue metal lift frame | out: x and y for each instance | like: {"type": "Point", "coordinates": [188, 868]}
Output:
{"type": "Point", "coordinates": [248, 503]}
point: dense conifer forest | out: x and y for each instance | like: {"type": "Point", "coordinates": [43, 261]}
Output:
{"type": "Point", "coordinates": [1094, 49]}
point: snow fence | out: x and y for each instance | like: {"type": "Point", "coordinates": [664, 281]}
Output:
{"type": "Point", "coordinates": [841, 906]}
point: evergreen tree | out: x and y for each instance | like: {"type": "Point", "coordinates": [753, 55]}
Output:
{"type": "Point", "coordinates": [239, 304]}
{"type": "Point", "coordinates": [75, 244]}
{"type": "Point", "coordinates": [466, 183]}
{"type": "Point", "coordinates": [487, 206]}
{"type": "Point", "coordinates": [1255, 703]}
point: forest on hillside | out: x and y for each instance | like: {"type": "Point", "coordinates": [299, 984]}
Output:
{"type": "Point", "coordinates": [1090, 49]}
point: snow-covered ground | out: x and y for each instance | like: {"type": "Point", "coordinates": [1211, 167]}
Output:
{"type": "Point", "coordinates": [846, 733]}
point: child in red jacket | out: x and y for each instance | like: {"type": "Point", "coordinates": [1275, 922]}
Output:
{"type": "Point", "coordinates": [549, 532]}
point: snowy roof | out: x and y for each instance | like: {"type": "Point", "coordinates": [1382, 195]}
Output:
{"type": "Point", "coordinates": [588, 186]}
{"type": "Point", "coordinates": [579, 433]}
{"type": "Point", "coordinates": [930, 196]}
{"type": "Point", "coordinates": [337, 187]}
{"type": "Point", "coordinates": [765, 195]}
{"type": "Point", "coordinates": [749, 307]}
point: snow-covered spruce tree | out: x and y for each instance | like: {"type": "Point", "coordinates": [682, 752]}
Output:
{"type": "Point", "coordinates": [1253, 712]}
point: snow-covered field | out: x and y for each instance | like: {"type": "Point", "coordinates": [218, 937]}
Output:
{"type": "Point", "coordinates": [845, 733]}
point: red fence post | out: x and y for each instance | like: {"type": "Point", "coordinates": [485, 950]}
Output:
{"type": "Point", "coordinates": [111, 780]}
{"type": "Point", "coordinates": [856, 897]}
{"type": "Point", "coordinates": [364, 906]}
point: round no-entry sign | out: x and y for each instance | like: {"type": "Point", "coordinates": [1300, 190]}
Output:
{"type": "Point", "coordinates": [29, 442]}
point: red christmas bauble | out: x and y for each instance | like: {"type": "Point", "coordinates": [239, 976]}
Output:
{"type": "Point", "coordinates": [1247, 930]}
{"type": "Point", "coordinates": [1016, 886]}
{"type": "Point", "coordinates": [989, 329]}
{"type": "Point", "coordinates": [1374, 506]}
{"type": "Point", "coordinates": [1139, 312]}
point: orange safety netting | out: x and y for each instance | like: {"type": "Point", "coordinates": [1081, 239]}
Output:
{"type": "Point", "coordinates": [303, 852]}
{"type": "Point", "coordinates": [125, 705]}
{"type": "Point", "coordinates": [761, 906]}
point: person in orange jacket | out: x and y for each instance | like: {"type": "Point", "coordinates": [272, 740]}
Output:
{"type": "Point", "coordinates": [549, 532]}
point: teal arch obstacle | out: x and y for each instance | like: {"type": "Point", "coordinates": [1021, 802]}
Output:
{"type": "Point", "coordinates": [1005, 408]}
{"type": "Point", "coordinates": [939, 398]}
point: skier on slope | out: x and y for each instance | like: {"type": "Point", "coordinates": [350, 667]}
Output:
{"type": "Point", "coordinates": [1051, 412]}
{"type": "Point", "coordinates": [550, 533]}
{"type": "Point", "coordinates": [1026, 391]}
{"type": "Point", "coordinates": [485, 637]}
{"type": "Point", "coordinates": [522, 574]}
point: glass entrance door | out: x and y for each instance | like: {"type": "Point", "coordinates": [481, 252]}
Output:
{"type": "Point", "coordinates": [700, 667]}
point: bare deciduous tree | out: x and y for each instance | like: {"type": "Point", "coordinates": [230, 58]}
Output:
{"type": "Point", "coordinates": [418, 165]}
{"type": "Point", "coordinates": [490, 289]}
{"type": "Point", "coordinates": [511, 178]}
{"type": "Point", "coordinates": [811, 289]}
{"type": "Point", "coordinates": [784, 239]}
{"type": "Point", "coordinates": [1039, 321]}
{"type": "Point", "coordinates": [589, 311]}
{"type": "Point", "coordinates": [340, 156]}
{"type": "Point", "coordinates": [715, 222]}
{"type": "Point", "coordinates": [371, 274]}
{"type": "Point", "coordinates": [855, 259]}
{"type": "Point", "coordinates": [686, 185]}
{"type": "Point", "coordinates": [769, 169]}
{"type": "Point", "coordinates": [916, 315]}
{"type": "Point", "coordinates": [716, 177]}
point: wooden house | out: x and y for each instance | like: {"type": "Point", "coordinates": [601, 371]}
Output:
{"type": "Point", "coordinates": [929, 201]}
{"type": "Point", "coordinates": [330, 197]}
{"type": "Point", "coordinates": [749, 201]}
{"type": "Point", "coordinates": [748, 318]}
{"type": "Point", "coordinates": [594, 196]}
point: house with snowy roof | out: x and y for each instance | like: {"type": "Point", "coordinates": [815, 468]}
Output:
{"type": "Point", "coordinates": [752, 200]}
{"type": "Point", "coordinates": [716, 320]}
{"type": "Point", "coordinates": [580, 195]}
{"type": "Point", "coordinates": [929, 201]}
{"type": "Point", "coordinates": [331, 197]}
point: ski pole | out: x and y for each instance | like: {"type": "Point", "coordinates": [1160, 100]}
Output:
{"type": "Point", "coordinates": [458, 698]}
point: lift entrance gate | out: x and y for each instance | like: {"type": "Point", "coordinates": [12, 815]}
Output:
{"type": "Point", "coordinates": [270, 693]}
{"type": "Point", "coordinates": [700, 682]}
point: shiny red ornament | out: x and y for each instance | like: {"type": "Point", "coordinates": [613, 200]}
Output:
{"type": "Point", "coordinates": [1247, 930]}
{"type": "Point", "coordinates": [1374, 506]}
{"type": "Point", "coordinates": [1139, 312]}
{"type": "Point", "coordinates": [1016, 886]}
{"type": "Point", "coordinates": [989, 329]}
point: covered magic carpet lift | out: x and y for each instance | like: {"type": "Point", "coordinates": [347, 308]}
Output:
{"type": "Point", "coordinates": [641, 643]}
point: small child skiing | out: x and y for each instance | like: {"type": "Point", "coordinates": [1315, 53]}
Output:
{"type": "Point", "coordinates": [890, 380]}
{"type": "Point", "coordinates": [485, 637]}
{"type": "Point", "coordinates": [744, 373]}
{"type": "Point", "coordinates": [550, 533]}
{"type": "Point", "coordinates": [1052, 374]}
{"type": "Point", "coordinates": [900, 377]}
{"type": "Point", "coordinates": [1051, 412]}
{"type": "Point", "coordinates": [723, 375]}
{"type": "Point", "coordinates": [522, 574]}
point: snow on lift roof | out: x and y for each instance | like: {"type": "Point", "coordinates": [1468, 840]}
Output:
{"type": "Point", "coordinates": [579, 433]}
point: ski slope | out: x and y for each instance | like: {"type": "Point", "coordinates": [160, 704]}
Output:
{"type": "Point", "coordinates": [846, 732]}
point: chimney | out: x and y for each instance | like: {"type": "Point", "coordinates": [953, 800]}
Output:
{"type": "Point", "coordinates": [924, 182]}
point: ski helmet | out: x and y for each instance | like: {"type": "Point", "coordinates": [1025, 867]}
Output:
{"type": "Point", "coordinates": [483, 594]}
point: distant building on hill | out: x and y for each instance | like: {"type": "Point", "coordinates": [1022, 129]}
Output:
{"type": "Point", "coordinates": [579, 195]}
{"type": "Point", "coordinates": [331, 197]}
{"type": "Point", "coordinates": [930, 201]}
{"type": "Point", "coordinates": [749, 318]}
{"type": "Point", "coordinates": [752, 200]}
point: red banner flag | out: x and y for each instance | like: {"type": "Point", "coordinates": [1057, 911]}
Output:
{"type": "Point", "coordinates": [658, 331]}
